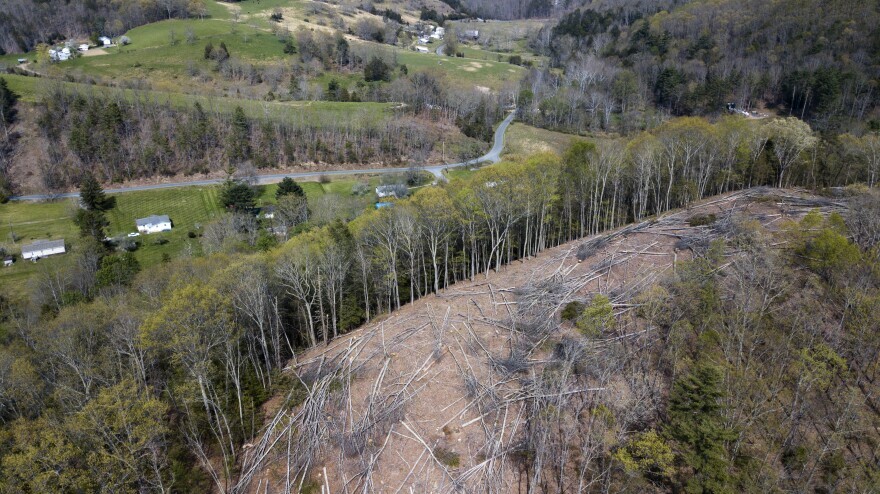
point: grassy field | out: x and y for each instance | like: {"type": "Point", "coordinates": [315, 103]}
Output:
{"type": "Point", "coordinates": [190, 208]}
{"type": "Point", "coordinates": [522, 140]}
{"type": "Point", "coordinates": [464, 71]}
{"type": "Point", "coordinates": [318, 113]}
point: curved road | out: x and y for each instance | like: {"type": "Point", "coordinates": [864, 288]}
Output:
{"type": "Point", "coordinates": [493, 156]}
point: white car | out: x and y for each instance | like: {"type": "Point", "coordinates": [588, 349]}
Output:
{"type": "Point", "coordinates": [134, 234]}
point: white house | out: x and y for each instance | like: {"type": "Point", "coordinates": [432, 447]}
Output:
{"type": "Point", "coordinates": [105, 41]}
{"type": "Point", "coordinates": [383, 191]}
{"type": "Point", "coordinates": [42, 248]}
{"type": "Point", "coordinates": [422, 49]}
{"type": "Point", "coordinates": [83, 47]}
{"type": "Point", "coordinates": [59, 55]}
{"type": "Point", "coordinates": [154, 224]}
{"type": "Point", "coordinates": [8, 261]}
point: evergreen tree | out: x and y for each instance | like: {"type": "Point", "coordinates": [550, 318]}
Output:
{"type": "Point", "coordinates": [288, 186]}
{"type": "Point", "coordinates": [91, 223]}
{"type": "Point", "coordinates": [240, 146]}
{"type": "Point", "coordinates": [377, 70]}
{"type": "Point", "coordinates": [91, 194]}
{"type": "Point", "coordinates": [8, 99]}
{"type": "Point", "coordinates": [696, 424]}
{"type": "Point", "coordinates": [237, 196]}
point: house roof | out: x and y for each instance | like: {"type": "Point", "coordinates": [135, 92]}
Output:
{"type": "Point", "coordinates": [42, 245]}
{"type": "Point", "coordinates": [153, 220]}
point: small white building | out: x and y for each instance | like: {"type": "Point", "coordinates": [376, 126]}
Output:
{"type": "Point", "coordinates": [154, 224]}
{"type": "Point", "coordinates": [383, 191]}
{"type": "Point", "coordinates": [59, 54]}
{"type": "Point", "coordinates": [104, 40]}
{"type": "Point", "coordinates": [8, 261]}
{"type": "Point", "coordinates": [42, 248]}
{"type": "Point", "coordinates": [83, 47]}
{"type": "Point", "coordinates": [422, 49]}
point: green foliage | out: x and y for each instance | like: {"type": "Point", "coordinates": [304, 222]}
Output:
{"type": "Point", "coordinates": [572, 311]}
{"type": "Point", "coordinates": [701, 219]}
{"type": "Point", "coordinates": [820, 364]}
{"type": "Point", "coordinates": [8, 100]}
{"type": "Point", "coordinates": [288, 186]}
{"type": "Point", "coordinates": [597, 317]}
{"type": "Point", "coordinates": [447, 457]}
{"type": "Point", "coordinates": [697, 426]}
{"type": "Point", "coordinates": [91, 223]}
{"type": "Point", "coordinates": [91, 194]}
{"type": "Point", "coordinates": [377, 70]}
{"type": "Point", "coordinates": [117, 270]}
{"type": "Point", "coordinates": [648, 454]}
{"type": "Point", "coordinates": [237, 196]}
{"type": "Point", "coordinates": [823, 245]}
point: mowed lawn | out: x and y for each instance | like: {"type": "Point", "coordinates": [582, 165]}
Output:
{"type": "Point", "coordinates": [190, 210]}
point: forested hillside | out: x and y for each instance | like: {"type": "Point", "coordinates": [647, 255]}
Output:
{"type": "Point", "coordinates": [816, 60]}
{"type": "Point", "coordinates": [25, 23]}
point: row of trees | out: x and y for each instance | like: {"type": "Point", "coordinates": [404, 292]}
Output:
{"type": "Point", "coordinates": [121, 139]}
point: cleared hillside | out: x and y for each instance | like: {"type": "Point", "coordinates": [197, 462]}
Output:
{"type": "Point", "coordinates": [481, 388]}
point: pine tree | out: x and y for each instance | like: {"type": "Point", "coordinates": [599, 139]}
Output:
{"type": "Point", "coordinates": [91, 194]}
{"type": "Point", "coordinates": [8, 99]}
{"type": "Point", "coordinates": [288, 186]}
{"type": "Point", "coordinates": [696, 424]}
{"type": "Point", "coordinates": [240, 146]}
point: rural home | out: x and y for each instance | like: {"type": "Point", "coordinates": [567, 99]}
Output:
{"type": "Point", "coordinates": [42, 248]}
{"type": "Point", "coordinates": [105, 41]}
{"type": "Point", "coordinates": [83, 47]}
{"type": "Point", "coordinates": [154, 224]}
{"type": "Point", "coordinates": [59, 54]}
{"type": "Point", "coordinates": [422, 49]}
{"type": "Point", "coordinates": [8, 261]}
{"type": "Point", "coordinates": [386, 191]}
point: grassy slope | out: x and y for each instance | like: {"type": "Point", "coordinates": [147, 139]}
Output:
{"type": "Point", "coordinates": [314, 112]}
{"type": "Point", "coordinates": [522, 140]}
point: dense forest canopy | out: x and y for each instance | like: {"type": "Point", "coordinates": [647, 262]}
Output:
{"type": "Point", "coordinates": [816, 60]}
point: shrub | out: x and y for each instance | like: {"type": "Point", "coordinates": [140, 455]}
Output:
{"type": "Point", "coordinates": [447, 457]}
{"type": "Point", "coordinates": [572, 310]}
{"type": "Point", "coordinates": [597, 317]}
{"type": "Point", "coordinates": [701, 219]}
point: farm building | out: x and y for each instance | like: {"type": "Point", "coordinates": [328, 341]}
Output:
{"type": "Point", "coordinates": [42, 248]}
{"type": "Point", "coordinates": [83, 47]}
{"type": "Point", "coordinates": [105, 41]}
{"type": "Point", "coordinates": [154, 224]}
{"type": "Point", "coordinates": [8, 261]}
{"type": "Point", "coordinates": [422, 49]}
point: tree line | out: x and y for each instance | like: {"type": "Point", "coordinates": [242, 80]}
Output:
{"type": "Point", "coordinates": [124, 139]}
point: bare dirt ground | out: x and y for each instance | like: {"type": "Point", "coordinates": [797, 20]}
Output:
{"type": "Point", "coordinates": [424, 400]}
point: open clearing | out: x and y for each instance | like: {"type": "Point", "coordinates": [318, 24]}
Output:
{"type": "Point", "coordinates": [190, 208]}
{"type": "Point", "coordinates": [386, 399]}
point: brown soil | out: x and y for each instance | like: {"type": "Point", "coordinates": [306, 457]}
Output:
{"type": "Point", "coordinates": [425, 352]}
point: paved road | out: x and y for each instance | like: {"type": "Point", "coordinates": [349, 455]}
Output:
{"type": "Point", "coordinates": [440, 48]}
{"type": "Point", "coordinates": [493, 156]}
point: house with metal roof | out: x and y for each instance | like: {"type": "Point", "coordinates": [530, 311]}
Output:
{"type": "Point", "coordinates": [154, 224]}
{"type": "Point", "coordinates": [42, 248]}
